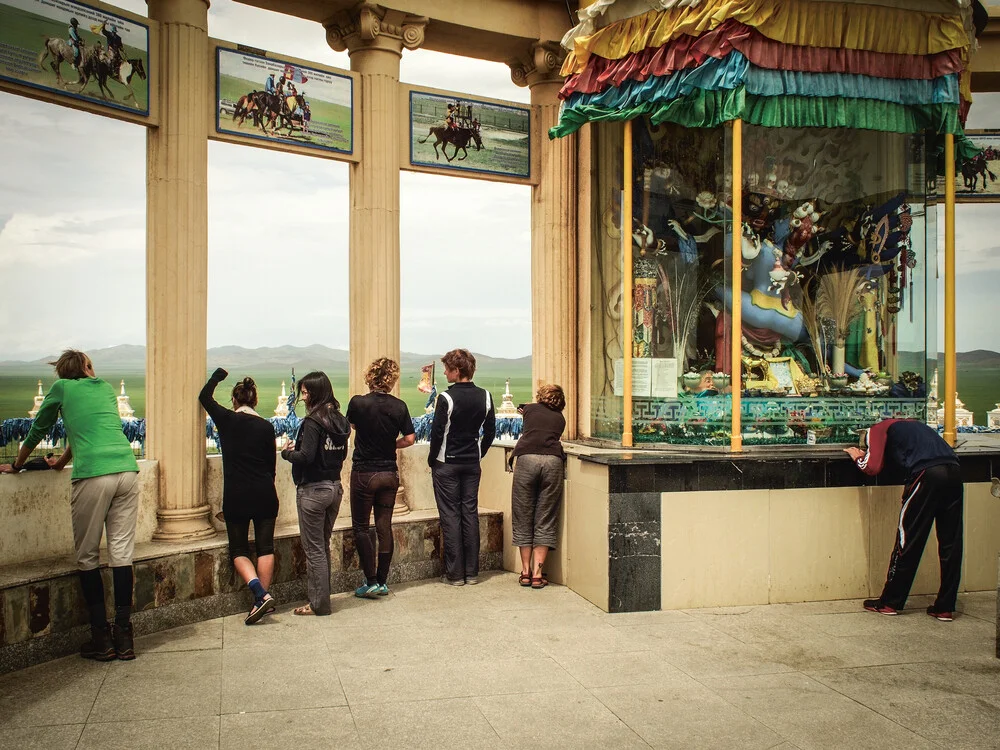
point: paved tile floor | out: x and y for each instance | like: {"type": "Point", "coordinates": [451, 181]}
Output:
{"type": "Point", "coordinates": [495, 665]}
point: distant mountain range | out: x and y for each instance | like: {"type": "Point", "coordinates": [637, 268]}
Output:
{"type": "Point", "coordinates": [129, 357]}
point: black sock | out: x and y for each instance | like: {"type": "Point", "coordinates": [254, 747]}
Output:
{"type": "Point", "coordinates": [384, 558]}
{"type": "Point", "coordinates": [93, 595]}
{"type": "Point", "coordinates": [123, 579]}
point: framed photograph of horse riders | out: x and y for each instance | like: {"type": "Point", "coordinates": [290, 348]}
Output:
{"type": "Point", "coordinates": [457, 133]}
{"type": "Point", "coordinates": [88, 56]}
{"type": "Point", "coordinates": [978, 180]}
{"type": "Point", "coordinates": [283, 103]}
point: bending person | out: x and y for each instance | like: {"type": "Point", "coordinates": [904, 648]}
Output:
{"type": "Point", "coordinates": [537, 491]}
{"type": "Point", "coordinates": [382, 425]}
{"type": "Point", "coordinates": [933, 494]}
{"type": "Point", "coordinates": [105, 494]}
{"type": "Point", "coordinates": [248, 494]}
{"type": "Point", "coordinates": [463, 413]}
{"type": "Point", "coordinates": [317, 456]}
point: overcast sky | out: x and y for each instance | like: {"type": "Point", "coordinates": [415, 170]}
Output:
{"type": "Point", "coordinates": [72, 229]}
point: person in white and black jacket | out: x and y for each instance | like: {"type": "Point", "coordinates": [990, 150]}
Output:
{"type": "Point", "coordinates": [464, 429]}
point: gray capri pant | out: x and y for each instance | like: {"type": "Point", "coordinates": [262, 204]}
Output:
{"type": "Point", "coordinates": [536, 498]}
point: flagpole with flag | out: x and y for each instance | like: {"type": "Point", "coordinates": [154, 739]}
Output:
{"type": "Point", "coordinates": [428, 386]}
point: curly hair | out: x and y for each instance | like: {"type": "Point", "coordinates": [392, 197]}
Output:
{"type": "Point", "coordinates": [551, 396]}
{"type": "Point", "coordinates": [245, 393]}
{"type": "Point", "coordinates": [382, 374]}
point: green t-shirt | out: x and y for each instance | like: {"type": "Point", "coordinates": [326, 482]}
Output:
{"type": "Point", "coordinates": [90, 414]}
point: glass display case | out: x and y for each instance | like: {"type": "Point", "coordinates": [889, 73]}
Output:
{"type": "Point", "coordinates": [837, 283]}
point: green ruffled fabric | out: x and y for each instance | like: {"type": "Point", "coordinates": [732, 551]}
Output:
{"type": "Point", "coordinates": [708, 109]}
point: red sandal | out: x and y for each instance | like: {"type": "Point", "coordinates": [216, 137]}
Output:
{"type": "Point", "coordinates": [539, 581]}
{"type": "Point", "coordinates": [524, 579]}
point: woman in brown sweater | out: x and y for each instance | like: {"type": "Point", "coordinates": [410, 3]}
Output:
{"type": "Point", "coordinates": [537, 492]}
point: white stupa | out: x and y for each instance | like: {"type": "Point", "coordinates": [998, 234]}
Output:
{"type": "Point", "coordinates": [932, 403]}
{"type": "Point", "coordinates": [507, 408]}
{"type": "Point", "coordinates": [963, 417]}
{"type": "Point", "coordinates": [993, 418]}
{"type": "Point", "coordinates": [39, 397]}
{"type": "Point", "coordinates": [281, 410]}
{"type": "Point", "coordinates": [125, 410]}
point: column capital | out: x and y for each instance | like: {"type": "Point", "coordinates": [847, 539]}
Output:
{"type": "Point", "coordinates": [371, 26]}
{"type": "Point", "coordinates": [539, 64]}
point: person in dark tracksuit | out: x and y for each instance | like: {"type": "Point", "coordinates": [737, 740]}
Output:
{"type": "Point", "coordinates": [933, 493]}
{"type": "Point", "coordinates": [464, 429]}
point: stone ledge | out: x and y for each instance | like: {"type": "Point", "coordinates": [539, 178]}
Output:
{"type": "Point", "coordinates": [43, 616]}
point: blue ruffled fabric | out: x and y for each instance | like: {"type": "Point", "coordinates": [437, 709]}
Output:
{"type": "Point", "coordinates": [764, 82]}
{"type": "Point", "coordinates": [734, 70]}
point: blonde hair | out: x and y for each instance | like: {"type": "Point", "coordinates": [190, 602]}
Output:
{"type": "Point", "coordinates": [382, 374]}
{"type": "Point", "coordinates": [72, 364]}
{"type": "Point", "coordinates": [552, 396]}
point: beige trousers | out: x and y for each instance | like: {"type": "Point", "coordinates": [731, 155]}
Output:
{"type": "Point", "coordinates": [110, 501]}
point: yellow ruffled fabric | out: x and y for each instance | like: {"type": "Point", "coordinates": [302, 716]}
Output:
{"type": "Point", "coordinates": [811, 23]}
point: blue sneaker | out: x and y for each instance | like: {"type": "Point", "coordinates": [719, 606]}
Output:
{"type": "Point", "coordinates": [383, 590]}
{"type": "Point", "coordinates": [366, 591]}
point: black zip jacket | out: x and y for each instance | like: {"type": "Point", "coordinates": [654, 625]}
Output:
{"type": "Point", "coordinates": [320, 448]}
{"type": "Point", "coordinates": [462, 412]}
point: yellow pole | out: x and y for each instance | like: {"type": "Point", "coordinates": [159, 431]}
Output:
{"type": "Point", "coordinates": [627, 287]}
{"type": "Point", "coordinates": [736, 331]}
{"type": "Point", "coordinates": [950, 373]}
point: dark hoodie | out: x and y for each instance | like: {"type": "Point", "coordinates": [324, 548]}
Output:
{"type": "Point", "coordinates": [320, 448]}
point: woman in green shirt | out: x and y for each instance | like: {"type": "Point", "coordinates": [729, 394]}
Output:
{"type": "Point", "coordinates": [105, 493]}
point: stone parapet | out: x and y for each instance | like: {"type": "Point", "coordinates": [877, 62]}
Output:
{"type": "Point", "coordinates": [42, 613]}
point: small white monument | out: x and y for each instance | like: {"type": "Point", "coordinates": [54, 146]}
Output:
{"type": "Point", "coordinates": [39, 397]}
{"type": "Point", "coordinates": [125, 410]}
{"type": "Point", "coordinates": [932, 403]}
{"type": "Point", "coordinates": [993, 418]}
{"type": "Point", "coordinates": [963, 417]}
{"type": "Point", "coordinates": [507, 408]}
{"type": "Point", "coordinates": [281, 410]}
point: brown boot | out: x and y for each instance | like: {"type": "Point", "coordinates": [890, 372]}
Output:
{"type": "Point", "coordinates": [100, 647]}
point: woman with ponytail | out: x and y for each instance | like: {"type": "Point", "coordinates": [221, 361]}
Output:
{"type": "Point", "coordinates": [248, 496]}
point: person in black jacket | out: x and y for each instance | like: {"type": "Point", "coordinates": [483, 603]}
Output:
{"type": "Point", "coordinates": [317, 456]}
{"type": "Point", "coordinates": [382, 425]}
{"type": "Point", "coordinates": [537, 489]}
{"type": "Point", "coordinates": [933, 494]}
{"type": "Point", "coordinates": [464, 428]}
{"type": "Point", "coordinates": [248, 494]}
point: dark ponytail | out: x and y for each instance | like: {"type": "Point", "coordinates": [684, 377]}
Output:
{"type": "Point", "coordinates": [245, 393]}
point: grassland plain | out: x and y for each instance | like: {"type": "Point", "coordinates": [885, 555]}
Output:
{"type": "Point", "coordinates": [27, 31]}
{"type": "Point", "coordinates": [331, 122]}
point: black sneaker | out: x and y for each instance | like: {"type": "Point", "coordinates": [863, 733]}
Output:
{"type": "Point", "coordinates": [100, 647]}
{"type": "Point", "coordinates": [876, 605]}
{"type": "Point", "coordinates": [124, 644]}
{"type": "Point", "coordinates": [259, 609]}
{"type": "Point", "coordinates": [940, 614]}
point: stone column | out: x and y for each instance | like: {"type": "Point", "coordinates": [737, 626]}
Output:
{"type": "Point", "coordinates": [375, 37]}
{"type": "Point", "coordinates": [177, 267]}
{"type": "Point", "coordinates": [553, 232]}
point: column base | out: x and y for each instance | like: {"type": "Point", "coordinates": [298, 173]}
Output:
{"type": "Point", "coordinates": [184, 524]}
{"type": "Point", "coordinates": [400, 508]}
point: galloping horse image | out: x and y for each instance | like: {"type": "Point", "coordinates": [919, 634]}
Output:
{"type": "Point", "coordinates": [972, 168]}
{"type": "Point", "coordinates": [250, 105]}
{"type": "Point", "coordinates": [60, 52]}
{"type": "Point", "coordinates": [457, 137]}
{"type": "Point", "coordinates": [103, 69]}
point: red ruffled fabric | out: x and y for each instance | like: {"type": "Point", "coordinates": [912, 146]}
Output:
{"type": "Point", "coordinates": [688, 52]}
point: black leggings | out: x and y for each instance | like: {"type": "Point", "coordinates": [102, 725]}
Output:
{"type": "Point", "coordinates": [239, 537]}
{"type": "Point", "coordinates": [373, 489]}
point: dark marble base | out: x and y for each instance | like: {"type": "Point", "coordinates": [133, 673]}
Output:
{"type": "Point", "coordinates": [46, 619]}
{"type": "Point", "coordinates": [634, 568]}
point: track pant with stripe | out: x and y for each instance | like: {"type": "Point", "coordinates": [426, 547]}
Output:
{"type": "Point", "coordinates": [935, 496]}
